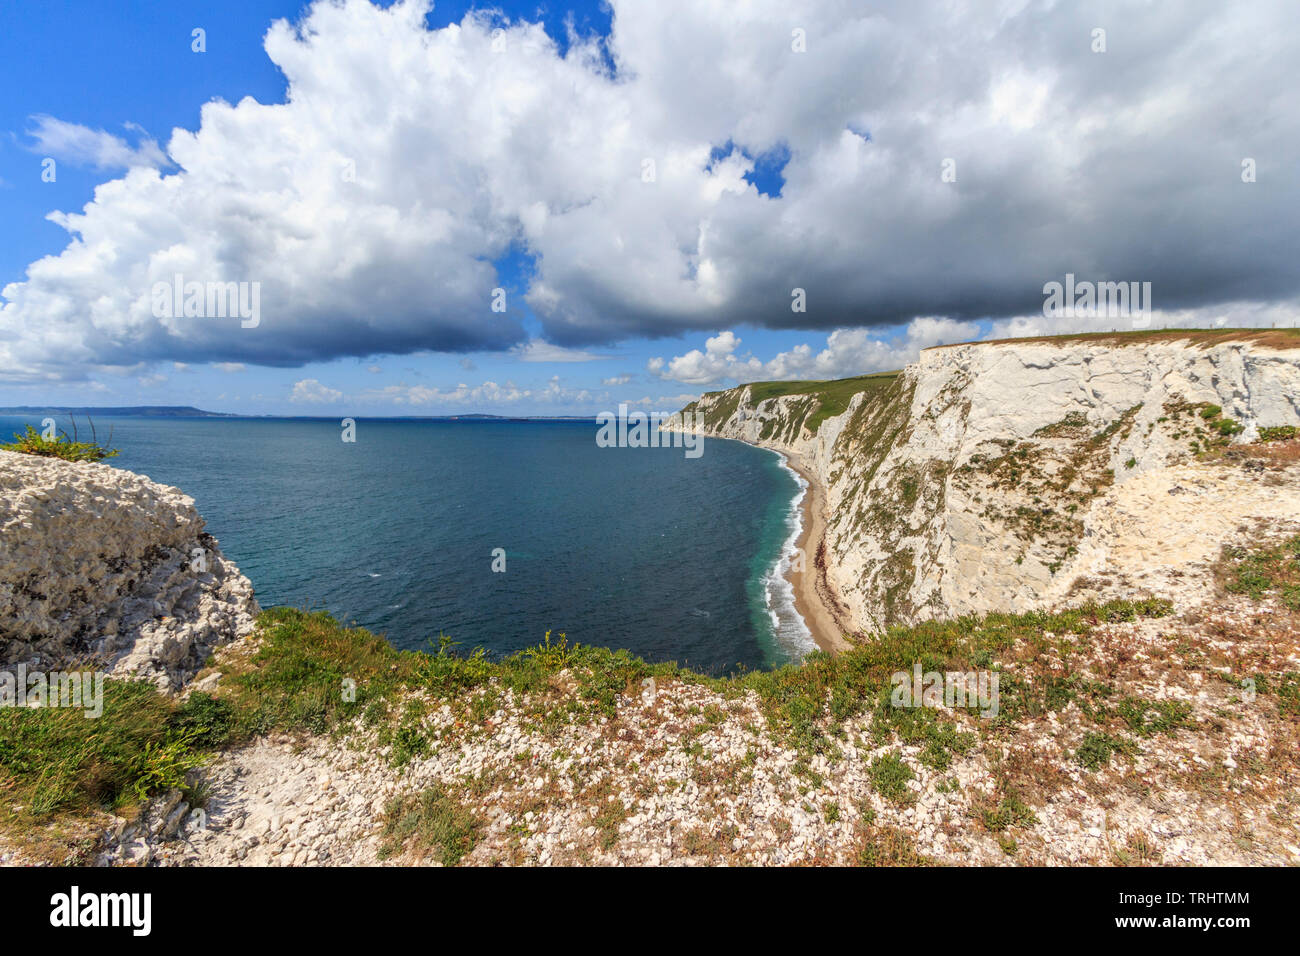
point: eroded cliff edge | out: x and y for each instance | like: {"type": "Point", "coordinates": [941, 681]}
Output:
{"type": "Point", "coordinates": [983, 476]}
{"type": "Point", "coordinates": [102, 567]}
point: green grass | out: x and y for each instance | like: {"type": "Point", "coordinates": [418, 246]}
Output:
{"type": "Point", "coordinates": [1148, 717]}
{"type": "Point", "coordinates": [803, 704]}
{"type": "Point", "coordinates": [607, 823]}
{"type": "Point", "coordinates": [295, 681]}
{"type": "Point", "coordinates": [1288, 693]}
{"type": "Point", "coordinates": [1278, 433]}
{"type": "Point", "coordinates": [32, 442]}
{"type": "Point", "coordinates": [1263, 571]}
{"type": "Point", "coordinates": [429, 822]}
{"type": "Point", "coordinates": [1010, 811]}
{"type": "Point", "coordinates": [55, 761]}
{"type": "Point", "coordinates": [1097, 748]}
{"type": "Point", "coordinates": [833, 396]}
{"type": "Point", "coordinates": [1221, 428]}
{"type": "Point", "coordinates": [890, 776]}
{"type": "Point", "coordinates": [830, 397]}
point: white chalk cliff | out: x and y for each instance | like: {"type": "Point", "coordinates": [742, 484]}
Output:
{"type": "Point", "coordinates": [100, 566]}
{"type": "Point", "coordinates": [977, 479]}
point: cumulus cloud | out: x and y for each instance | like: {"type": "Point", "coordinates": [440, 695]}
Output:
{"type": "Point", "coordinates": [486, 394]}
{"type": "Point", "coordinates": [718, 361]}
{"type": "Point", "coordinates": [231, 367]}
{"type": "Point", "coordinates": [847, 352]}
{"type": "Point", "coordinates": [850, 352]}
{"type": "Point", "coordinates": [1228, 315]}
{"type": "Point", "coordinates": [860, 351]}
{"type": "Point", "coordinates": [372, 203]}
{"type": "Point", "coordinates": [96, 148]}
{"type": "Point", "coordinates": [312, 392]}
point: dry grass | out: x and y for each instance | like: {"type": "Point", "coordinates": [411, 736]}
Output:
{"type": "Point", "coordinates": [1271, 456]}
{"type": "Point", "coordinates": [888, 846]}
{"type": "Point", "coordinates": [1201, 338]}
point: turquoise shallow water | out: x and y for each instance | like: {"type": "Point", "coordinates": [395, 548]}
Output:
{"type": "Point", "coordinates": [637, 548]}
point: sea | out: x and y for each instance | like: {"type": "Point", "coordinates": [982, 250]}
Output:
{"type": "Point", "coordinates": [494, 532]}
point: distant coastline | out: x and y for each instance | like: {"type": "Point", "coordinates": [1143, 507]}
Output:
{"type": "Point", "coordinates": [186, 411]}
{"type": "Point", "coordinates": [118, 411]}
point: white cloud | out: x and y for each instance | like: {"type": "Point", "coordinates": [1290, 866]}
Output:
{"type": "Point", "coordinates": [850, 352]}
{"type": "Point", "coordinates": [716, 363]}
{"type": "Point", "coordinates": [371, 204]}
{"type": "Point", "coordinates": [311, 391]}
{"type": "Point", "coordinates": [1229, 315]}
{"type": "Point", "coordinates": [231, 366]}
{"type": "Point", "coordinates": [617, 379]}
{"type": "Point", "coordinates": [847, 352]}
{"type": "Point", "coordinates": [665, 403]}
{"type": "Point", "coordinates": [97, 148]}
{"type": "Point", "coordinates": [487, 394]}
{"type": "Point", "coordinates": [537, 350]}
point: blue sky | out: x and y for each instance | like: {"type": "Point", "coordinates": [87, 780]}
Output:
{"type": "Point", "coordinates": [777, 168]}
{"type": "Point", "coordinates": [74, 61]}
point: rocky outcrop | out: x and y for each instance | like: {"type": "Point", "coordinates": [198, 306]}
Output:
{"type": "Point", "coordinates": [100, 565]}
{"type": "Point", "coordinates": [974, 479]}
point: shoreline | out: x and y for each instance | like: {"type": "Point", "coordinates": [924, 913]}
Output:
{"type": "Point", "coordinates": [809, 601]}
{"type": "Point", "coordinates": [814, 607]}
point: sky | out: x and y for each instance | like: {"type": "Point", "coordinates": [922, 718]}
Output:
{"type": "Point", "coordinates": [554, 209]}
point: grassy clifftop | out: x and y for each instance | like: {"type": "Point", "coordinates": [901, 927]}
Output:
{"type": "Point", "coordinates": [825, 399]}
{"type": "Point", "coordinates": [576, 754]}
{"type": "Point", "coordinates": [1201, 338]}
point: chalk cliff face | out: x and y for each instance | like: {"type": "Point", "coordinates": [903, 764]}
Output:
{"type": "Point", "coordinates": [102, 565]}
{"type": "Point", "coordinates": [971, 481]}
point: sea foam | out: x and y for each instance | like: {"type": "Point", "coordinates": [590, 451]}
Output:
{"type": "Point", "coordinates": [788, 627]}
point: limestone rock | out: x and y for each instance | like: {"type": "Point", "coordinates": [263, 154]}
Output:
{"type": "Point", "coordinates": [100, 563]}
{"type": "Point", "coordinates": [974, 482]}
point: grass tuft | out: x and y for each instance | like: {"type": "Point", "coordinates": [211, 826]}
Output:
{"type": "Point", "coordinates": [32, 442]}
{"type": "Point", "coordinates": [1259, 572]}
{"type": "Point", "coordinates": [429, 822]}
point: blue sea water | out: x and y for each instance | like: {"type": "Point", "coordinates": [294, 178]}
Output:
{"type": "Point", "coordinates": [671, 557]}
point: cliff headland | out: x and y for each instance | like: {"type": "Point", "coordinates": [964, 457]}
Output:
{"type": "Point", "coordinates": [1097, 537]}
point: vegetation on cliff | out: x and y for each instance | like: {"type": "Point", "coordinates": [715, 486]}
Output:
{"type": "Point", "coordinates": [310, 674]}
{"type": "Point", "coordinates": [32, 442]}
{"type": "Point", "coordinates": [1200, 338]}
{"type": "Point", "coordinates": [820, 400]}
